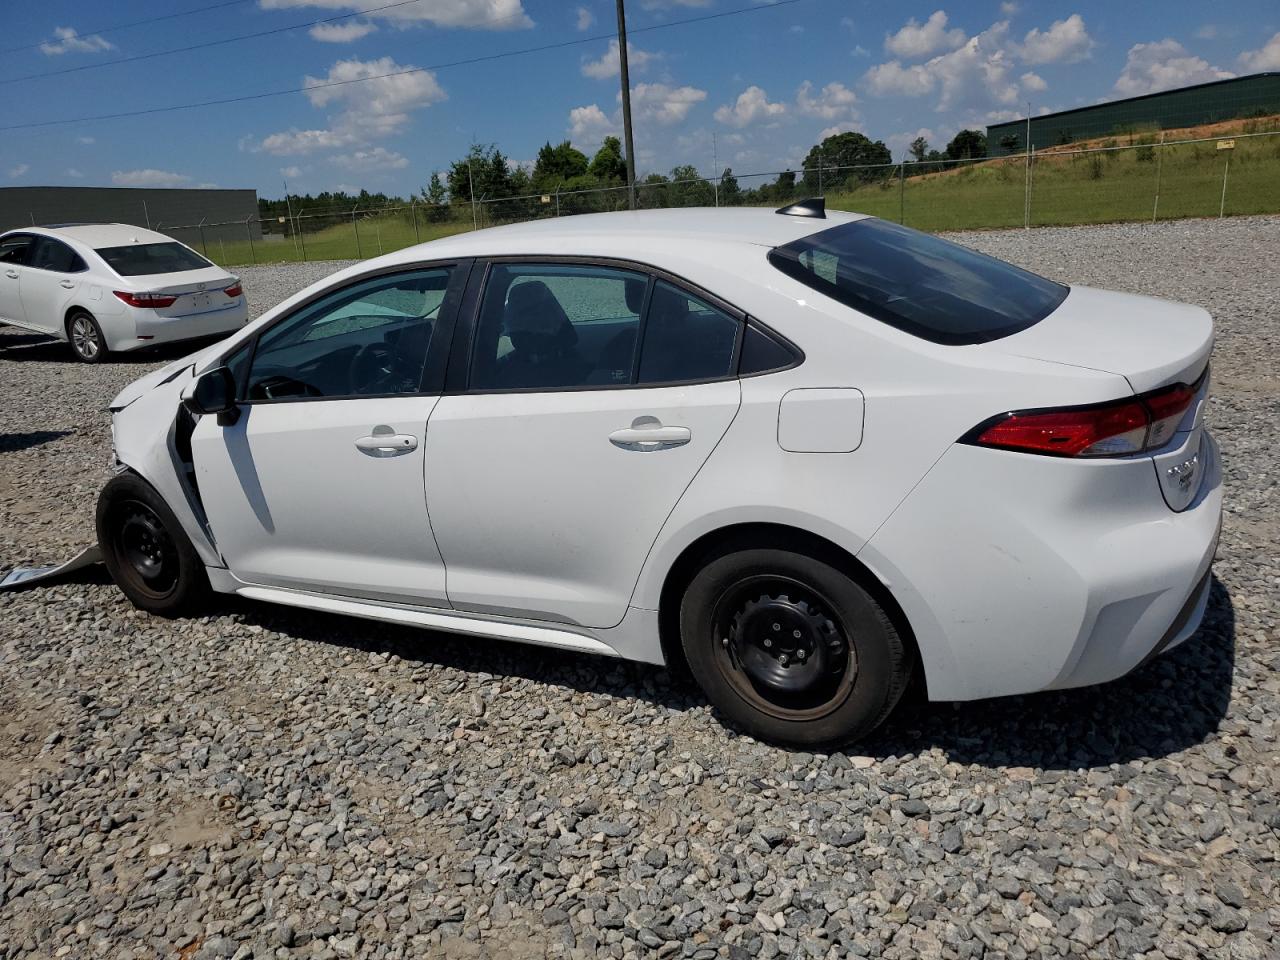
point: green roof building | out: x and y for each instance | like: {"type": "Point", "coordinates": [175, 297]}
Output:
{"type": "Point", "coordinates": [1252, 96]}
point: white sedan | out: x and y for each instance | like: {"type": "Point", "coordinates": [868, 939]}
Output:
{"type": "Point", "coordinates": [804, 456]}
{"type": "Point", "coordinates": [111, 287]}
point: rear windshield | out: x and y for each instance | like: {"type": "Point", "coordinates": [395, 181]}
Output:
{"type": "Point", "coordinates": [923, 285]}
{"type": "Point", "coordinates": [144, 259]}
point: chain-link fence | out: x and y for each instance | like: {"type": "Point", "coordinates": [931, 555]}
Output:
{"type": "Point", "coordinates": [1143, 178]}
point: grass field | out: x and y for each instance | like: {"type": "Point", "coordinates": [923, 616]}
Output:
{"type": "Point", "coordinates": [1098, 187]}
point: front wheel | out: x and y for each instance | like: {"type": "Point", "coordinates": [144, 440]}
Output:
{"type": "Point", "coordinates": [146, 550]}
{"type": "Point", "coordinates": [791, 649]}
{"type": "Point", "coordinates": [85, 337]}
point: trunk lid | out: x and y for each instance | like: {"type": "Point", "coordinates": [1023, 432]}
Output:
{"type": "Point", "coordinates": [198, 291]}
{"type": "Point", "coordinates": [1147, 341]}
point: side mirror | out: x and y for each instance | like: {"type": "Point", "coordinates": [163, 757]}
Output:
{"type": "Point", "coordinates": [214, 392]}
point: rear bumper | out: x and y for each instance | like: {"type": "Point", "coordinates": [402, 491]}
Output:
{"type": "Point", "coordinates": [149, 330]}
{"type": "Point", "coordinates": [1021, 573]}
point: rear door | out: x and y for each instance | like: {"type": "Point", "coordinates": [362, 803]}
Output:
{"type": "Point", "coordinates": [590, 397]}
{"type": "Point", "coordinates": [15, 251]}
{"type": "Point", "coordinates": [49, 282]}
{"type": "Point", "coordinates": [318, 485]}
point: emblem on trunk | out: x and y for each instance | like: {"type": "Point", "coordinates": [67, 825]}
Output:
{"type": "Point", "coordinates": [1183, 473]}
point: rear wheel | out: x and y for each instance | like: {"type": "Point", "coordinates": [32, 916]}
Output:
{"type": "Point", "coordinates": [791, 649]}
{"type": "Point", "coordinates": [85, 337]}
{"type": "Point", "coordinates": [146, 551]}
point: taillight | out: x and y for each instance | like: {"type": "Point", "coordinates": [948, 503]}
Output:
{"type": "Point", "coordinates": [234, 290]}
{"type": "Point", "coordinates": [1103, 430]}
{"type": "Point", "coordinates": [152, 300]}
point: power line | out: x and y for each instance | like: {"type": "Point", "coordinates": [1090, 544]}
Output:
{"type": "Point", "coordinates": [485, 58]}
{"type": "Point", "coordinates": [136, 23]}
{"type": "Point", "coordinates": [217, 43]}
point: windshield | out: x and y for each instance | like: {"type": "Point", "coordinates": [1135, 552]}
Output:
{"type": "Point", "coordinates": [919, 283]}
{"type": "Point", "coordinates": [145, 259]}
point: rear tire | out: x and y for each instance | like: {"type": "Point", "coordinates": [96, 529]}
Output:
{"type": "Point", "coordinates": [85, 337]}
{"type": "Point", "coordinates": [790, 649]}
{"type": "Point", "coordinates": [147, 552]}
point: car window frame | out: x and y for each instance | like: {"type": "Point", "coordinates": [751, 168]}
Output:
{"type": "Point", "coordinates": [30, 247]}
{"type": "Point", "coordinates": [48, 238]}
{"type": "Point", "coordinates": [465, 340]}
{"type": "Point", "coordinates": [438, 350]}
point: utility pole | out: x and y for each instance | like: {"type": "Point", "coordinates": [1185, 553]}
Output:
{"type": "Point", "coordinates": [626, 106]}
{"type": "Point", "coordinates": [715, 168]}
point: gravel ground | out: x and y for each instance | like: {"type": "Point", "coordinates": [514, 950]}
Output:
{"type": "Point", "coordinates": [272, 783]}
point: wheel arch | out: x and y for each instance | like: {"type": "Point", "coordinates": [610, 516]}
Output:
{"type": "Point", "coordinates": [754, 535]}
{"type": "Point", "coordinates": [71, 311]}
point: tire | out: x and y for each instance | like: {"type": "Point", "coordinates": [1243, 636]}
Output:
{"type": "Point", "coordinates": [790, 649]}
{"type": "Point", "coordinates": [85, 338]}
{"type": "Point", "coordinates": [146, 551]}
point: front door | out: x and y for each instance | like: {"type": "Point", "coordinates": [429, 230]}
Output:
{"type": "Point", "coordinates": [15, 249]}
{"type": "Point", "coordinates": [594, 396]}
{"type": "Point", "coordinates": [319, 483]}
{"type": "Point", "coordinates": [49, 280]}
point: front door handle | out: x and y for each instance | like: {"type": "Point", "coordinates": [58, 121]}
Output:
{"type": "Point", "coordinates": [11, 274]}
{"type": "Point", "coordinates": [647, 434]}
{"type": "Point", "coordinates": [387, 444]}
{"type": "Point", "coordinates": [69, 284]}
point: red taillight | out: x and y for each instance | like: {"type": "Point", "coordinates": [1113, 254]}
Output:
{"type": "Point", "coordinates": [151, 300]}
{"type": "Point", "coordinates": [234, 290]}
{"type": "Point", "coordinates": [1105, 430]}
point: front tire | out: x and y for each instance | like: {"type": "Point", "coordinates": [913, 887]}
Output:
{"type": "Point", "coordinates": [790, 649]}
{"type": "Point", "coordinates": [85, 337]}
{"type": "Point", "coordinates": [146, 551]}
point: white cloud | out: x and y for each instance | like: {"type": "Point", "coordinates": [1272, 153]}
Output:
{"type": "Point", "coordinates": [206, 186]}
{"type": "Point", "coordinates": [893, 77]}
{"type": "Point", "coordinates": [482, 14]}
{"type": "Point", "coordinates": [86, 140]}
{"type": "Point", "coordinates": [1009, 8]}
{"type": "Point", "coordinates": [751, 106]}
{"type": "Point", "coordinates": [19, 170]}
{"type": "Point", "coordinates": [668, 4]}
{"type": "Point", "coordinates": [832, 101]}
{"type": "Point", "coordinates": [377, 158]}
{"type": "Point", "coordinates": [917, 39]}
{"type": "Point", "coordinates": [149, 177]}
{"type": "Point", "coordinates": [662, 103]}
{"type": "Point", "coordinates": [1266, 58]}
{"type": "Point", "coordinates": [342, 32]}
{"type": "Point", "coordinates": [844, 126]}
{"type": "Point", "coordinates": [585, 18]}
{"type": "Point", "coordinates": [1207, 32]}
{"type": "Point", "coordinates": [74, 173]}
{"type": "Point", "coordinates": [68, 41]}
{"type": "Point", "coordinates": [1066, 41]}
{"type": "Point", "coordinates": [589, 124]}
{"type": "Point", "coordinates": [1033, 82]}
{"type": "Point", "coordinates": [608, 66]}
{"type": "Point", "coordinates": [293, 141]}
{"type": "Point", "coordinates": [292, 171]}
{"type": "Point", "coordinates": [975, 77]}
{"type": "Point", "coordinates": [1163, 65]}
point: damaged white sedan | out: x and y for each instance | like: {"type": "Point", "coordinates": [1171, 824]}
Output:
{"type": "Point", "coordinates": [803, 455]}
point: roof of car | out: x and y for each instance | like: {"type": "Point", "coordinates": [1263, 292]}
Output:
{"type": "Point", "coordinates": [103, 234]}
{"type": "Point", "coordinates": [638, 229]}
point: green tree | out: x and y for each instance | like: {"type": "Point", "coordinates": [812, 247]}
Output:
{"type": "Point", "coordinates": [557, 164]}
{"type": "Point", "coordinates": [689, 189]}
{"type": "Point", "coordinates": [609, 165]}
{"type": "Point", "coordinates": [482, 174]}
{"type": "Point", "coordinates": [1010, 142]}
{"type": "Point", "coordinates": [850, 149]}
{"type": "Point", "coordinates": [919, 148]}
{"type": "Point", "coordinates": [967, 145]}
{"type": "Point", "coordinates": [652, 192]}
{"type": "Point", "coordinates": [436, 195]}
{"type": "Point", "coordinates": [730, 192]}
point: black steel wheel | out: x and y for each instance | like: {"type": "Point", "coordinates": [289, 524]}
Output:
{"type": "Point", "coordinates": [145, 549]}
{"type": "Point", "coordinates": [791, 649]}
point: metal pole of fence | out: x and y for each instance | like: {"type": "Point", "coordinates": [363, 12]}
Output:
{"type": "Point", "coordinates": [1222, 207]}
{"type": "Point", "coordinates": [471, 188]}
{"type": "Point", "coordinates": [377, 232]}
{"type": "Point", "coordinates": [248, 232]}
{"type": "Point", "coordinates": [222, 246]}
{"type": "Point", "coordinates": [356, 230]}
{"type": "Point", "coordinates": [1155, 207]}
{"type": "Point", "coordinates": [902, 192]}
{"type": "Point", "coordinates": [302, 237]}
{"type": "Point", "coordinates": [557, 199]}
{"type": "Point", "coordinates": [146, 216]}
{"type": "Point", "coordinates": [203, 246]}
{"type": "Point", "coordinates": [413, 212]}
{"type": "Point", "coordinates": [32, 216]}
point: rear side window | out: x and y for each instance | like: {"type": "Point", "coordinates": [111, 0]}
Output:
{"type": "Point", "coordinates": [15, 249]}
{"type": "Point", "coordinates": [146, 259]}
{"type": "Point", "coordinates": [918, 283]}
{"type": "Point", "coordinates": [685, 338]}
{"type": "Point", "coordinates": [55, 255]}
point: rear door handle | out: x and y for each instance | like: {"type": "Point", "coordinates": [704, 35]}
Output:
{"type": "Point", "coordinates": [11, 274]}
{"type": "Point", "coordinates": [647, 434]}
{"type": "Point", "coordinates": [69, 284]}
{"type": "Point", "coordinates": [387, 444]}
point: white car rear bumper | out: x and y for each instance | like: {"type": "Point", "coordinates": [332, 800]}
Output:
{"type": "Point", "coordinates": [149, 330]}
{"type": "Point", "coordinates": [1021, 573]}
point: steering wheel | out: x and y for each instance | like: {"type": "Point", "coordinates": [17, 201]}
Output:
{"type": "Point", "coordinates": [376, 368]}
{"type": "Point", "coordinates": [279, 386]}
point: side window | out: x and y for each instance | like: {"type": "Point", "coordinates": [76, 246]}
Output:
{"type": "Point", "coordinates": [547, 326]}
{"type": "Point", "coordinates": [368, 339]}
{"type": "Point", "coordinates": [15, 249]}
{"type": "Point", "coordinates": [685, 338]}
{"type": "Point", "coordinates": [761, 353]}
{"type": "Point", "coordinates": [55, 255]}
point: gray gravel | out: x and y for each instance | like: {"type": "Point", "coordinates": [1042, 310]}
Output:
{"type": "Point", "coordinates": [273, 783]}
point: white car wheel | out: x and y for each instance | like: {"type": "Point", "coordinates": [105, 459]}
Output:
{"type": "Point", "coordinates": [86, 338]}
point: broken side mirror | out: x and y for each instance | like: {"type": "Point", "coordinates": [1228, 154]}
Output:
{"type": "Point", "coordinates": [214, 392]}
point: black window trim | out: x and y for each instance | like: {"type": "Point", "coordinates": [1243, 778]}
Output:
{"type": "Point", "coordinates": [30, 246]}
{"type": "Point", "coordinates": [438, 350]}
{"type": "Point", "coordinates": [457, 379]}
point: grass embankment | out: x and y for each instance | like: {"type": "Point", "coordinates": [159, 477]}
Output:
{"type": "Point", "coordinates": [378, 234]}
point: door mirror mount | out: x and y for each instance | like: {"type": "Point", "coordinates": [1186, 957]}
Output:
{"type": "Point", "coordinates": [214, 392]}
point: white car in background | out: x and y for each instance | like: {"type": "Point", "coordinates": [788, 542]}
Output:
{"type": "Point", "coordinates": [803, 455]}
{"type": "Point", "coordinates": [110, 287]}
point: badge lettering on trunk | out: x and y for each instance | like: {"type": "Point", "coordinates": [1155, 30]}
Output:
{"type": "Point", "coordinates": [1183, 473]}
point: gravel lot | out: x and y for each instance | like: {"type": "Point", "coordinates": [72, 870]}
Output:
{"type": "Point", "coordinates": [272, 783]}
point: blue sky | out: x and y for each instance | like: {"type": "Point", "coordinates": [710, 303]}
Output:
{"type": "Point", "coordinates": [753, 91]}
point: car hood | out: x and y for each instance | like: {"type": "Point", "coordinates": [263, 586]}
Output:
{"type": "Point", "coordinates": [166, 374]}
{"type": "Point", "coordinates": [1148, 341]}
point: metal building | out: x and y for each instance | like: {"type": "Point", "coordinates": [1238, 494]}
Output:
{"type": "Point", "coordinates": [236, 211]}
{"type": "Point", "coordinates": [1255, 95]}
